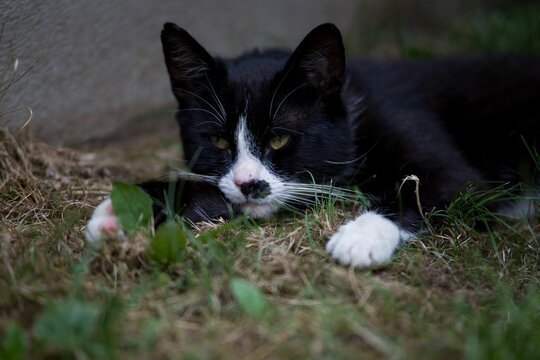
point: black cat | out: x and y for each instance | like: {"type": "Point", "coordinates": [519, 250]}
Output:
{"type": "Point", "coordinates": [268, 130]}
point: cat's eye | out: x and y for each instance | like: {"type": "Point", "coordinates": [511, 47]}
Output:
{"type": "Point", "coordinates": [219, 142]}
{"type": "Point", "coordinates": [277, 142]}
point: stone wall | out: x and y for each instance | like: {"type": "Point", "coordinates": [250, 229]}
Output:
{"type": "Point", "coordinates": [95, 66]}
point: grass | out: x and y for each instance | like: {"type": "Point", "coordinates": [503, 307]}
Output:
{"type": "Point", "coordinates": [454, 293]}
{"type": "Point", "coordinates": [256, 290]}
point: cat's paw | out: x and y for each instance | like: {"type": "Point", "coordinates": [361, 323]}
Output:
{"type": "Point", "coordinates": [103, 223]}
{"type": "Point", "coordinates": [368, 240]}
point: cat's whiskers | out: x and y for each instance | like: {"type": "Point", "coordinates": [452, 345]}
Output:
{"type": "Point", "coordinates": [286, 97]}
{"type": "Point", "coordinates": [320, 196]}
{"type": "Point", "coordinates": [276, 90]}
{"type": "Point", "coordinates": [203, 110]}
{"type": "Point", "coordinates": [211, 122]}
{"type": "Point", "coordinates": [291, 194]}
{"type": "Point", "coordinates": [284, 205]}
{"type": "Point", "coordinates": [218, 115]}
{"type": "Point", "coordinates": [306, 192]}
{"type": "Point", "coordinates": [201, 212]}
{"type": "Point", "coordinates": [353, 160]}
{"type": "Point", "coordinates": [216, 97]}
{"type": "Point", "coordinates": [190, 176]}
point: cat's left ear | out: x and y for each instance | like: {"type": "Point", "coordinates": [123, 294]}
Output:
{"type": "Point", "coordinates": [319, 59]}
{"type": "Point", "coordinates": [187, 61]}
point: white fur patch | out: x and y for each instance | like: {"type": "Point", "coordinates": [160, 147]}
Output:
{"type": "Point", "coordinates": [103, 223]}
{"type": "Point", "coordinates": [523, 209]}
{"type": "Point", "coordinates": [249, 168]}
{"type": "Point", "coordinates": [368, 240]}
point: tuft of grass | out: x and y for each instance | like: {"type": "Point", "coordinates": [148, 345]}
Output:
{"type": "Point", "coordinates": [507, 329]}
{"type": "Point", "coordinates": [456, 292]}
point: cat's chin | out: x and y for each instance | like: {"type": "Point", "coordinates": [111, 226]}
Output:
{"type": "Point", "coordinates": [258, 210]}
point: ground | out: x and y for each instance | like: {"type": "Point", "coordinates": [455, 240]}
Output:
{"type": "Point", "coordinates": [451, 293]}
{"type": "Point", "coordinates": [264, 290]}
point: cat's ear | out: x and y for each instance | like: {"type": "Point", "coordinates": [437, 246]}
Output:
{"type": "Point", "coordinates": [187, 61]}
{"type": "Point", "coordinates": [319, 59]}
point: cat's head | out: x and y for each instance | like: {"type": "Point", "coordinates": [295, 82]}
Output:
{"type": "Point", "coordinates": [264, 123]}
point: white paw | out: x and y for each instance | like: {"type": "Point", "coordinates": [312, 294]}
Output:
{"type": "Point", "coordinates": [103, 222]}
{"type": "Point", "coordinates": [369, 240]}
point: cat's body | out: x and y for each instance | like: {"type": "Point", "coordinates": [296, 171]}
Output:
{"type": "Point", "coordinates": [264, 127]}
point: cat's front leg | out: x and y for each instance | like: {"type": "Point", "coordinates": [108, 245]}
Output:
{"type": "Point", "coordinates": [103, 222]}
{"type": "Point", "coordinates": [366, 241]}
{"type": "Point", "coordinates": [192, 201]}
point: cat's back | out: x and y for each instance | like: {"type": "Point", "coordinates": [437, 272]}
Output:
{"type": "Point", "coordinates": [485, 90]}
{"type": "Point", "coordinates": [486, 105]}
{"type": "Point", "coordinates": [449, 77]}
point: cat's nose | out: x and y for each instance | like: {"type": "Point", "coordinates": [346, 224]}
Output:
{"type": "Point", "coordinates": [255, 189]}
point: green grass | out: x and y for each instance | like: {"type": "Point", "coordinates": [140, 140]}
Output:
{"type": "Point", "coordinates": [260, 290]}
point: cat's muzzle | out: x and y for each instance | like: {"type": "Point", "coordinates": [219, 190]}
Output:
{"type": "Point", "coordinates": [255, 189]}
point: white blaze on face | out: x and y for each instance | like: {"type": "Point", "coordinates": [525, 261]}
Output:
{"type": "Point", "coordinates": [248, 168]}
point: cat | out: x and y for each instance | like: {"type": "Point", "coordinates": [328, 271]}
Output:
{"type": "Point", "coordinates": [273, 129]}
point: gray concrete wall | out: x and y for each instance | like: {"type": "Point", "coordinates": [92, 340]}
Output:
{"type": "Point", "coordinates": [97, 65]}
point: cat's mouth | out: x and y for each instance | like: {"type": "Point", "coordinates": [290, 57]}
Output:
{"type": "Point", "coordinates": [257, 209]}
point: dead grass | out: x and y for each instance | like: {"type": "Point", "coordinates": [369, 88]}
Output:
{"type": "Point", "coordinates": [453, 294]}
{"type": "Point", "coordinates": [33, 176]}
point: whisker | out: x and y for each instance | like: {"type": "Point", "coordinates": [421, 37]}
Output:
{"type": "Point", "coordinates": [287, 129]}
{"type": "Point", "coordinates": [283, 204]}
{"type": "Point", "coordinates": [216, 98]}
{"type": "Point", "coordinates": [319, 197]}
{"type": "Point", "coordinates": [354, 160]}
{"type": "Point", "coordinates": [220, 125]}
{"type": "Point", "coordinates": [202, 99]}
{"type": "Point", "coordinates": [319, 188]}
{"type": "Point", "coordinates": [190, 176]}
{"type": "Point", "coordinates": [344, 162]}
{"type": "Point", "coordinates": [293, 198]}
{"type": "Point", "coordinates": [201, 109]}
{"type": "Point", "coordinates": [275, 91]}
{"type": "Point", "coordinates": [322, 192]}
{"type": "Point", "coordinates": [285, 98]}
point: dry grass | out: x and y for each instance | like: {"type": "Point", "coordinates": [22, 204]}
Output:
{"type": "Point", "coordinates": [455, 293]}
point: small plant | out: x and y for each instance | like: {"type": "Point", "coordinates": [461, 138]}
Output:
{"type": "Point", "coordinates": [249, 298]}
{"type": "Point", "coordinates": [132, 206]}
{"type": "Point", "coordinates": [168, 245]}
{"type": "Point", "coordinates": [14, 344]}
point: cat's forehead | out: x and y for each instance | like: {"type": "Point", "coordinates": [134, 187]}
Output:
{"type": "Point", "coordinates": [252, 81]}
{"type": "Point", "coordinates": [255, 67]}
{"type": "Point", "coordinates": [252, 75]}
{"type": "Point", "coordinates": [250, 101]}
{"type": "Point", "coordinates": [262, 108]}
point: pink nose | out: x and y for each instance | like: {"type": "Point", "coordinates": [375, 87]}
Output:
{"type": "Point", "coordinates": [240, 180]}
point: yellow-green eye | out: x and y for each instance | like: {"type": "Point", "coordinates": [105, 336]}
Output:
{"type": "Point", "coordinates": [277, 142]}
{"type": "Point", "coordinates": [219, 142]}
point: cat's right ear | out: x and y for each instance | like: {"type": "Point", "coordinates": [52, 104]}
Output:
{"type": "Point", "coordinates": [319, 60]}
{"type": "Point", "coordinates": [188, 63]}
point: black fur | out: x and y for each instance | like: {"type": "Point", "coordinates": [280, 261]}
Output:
{"type": "Point", "coordinates": [448, 121]}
